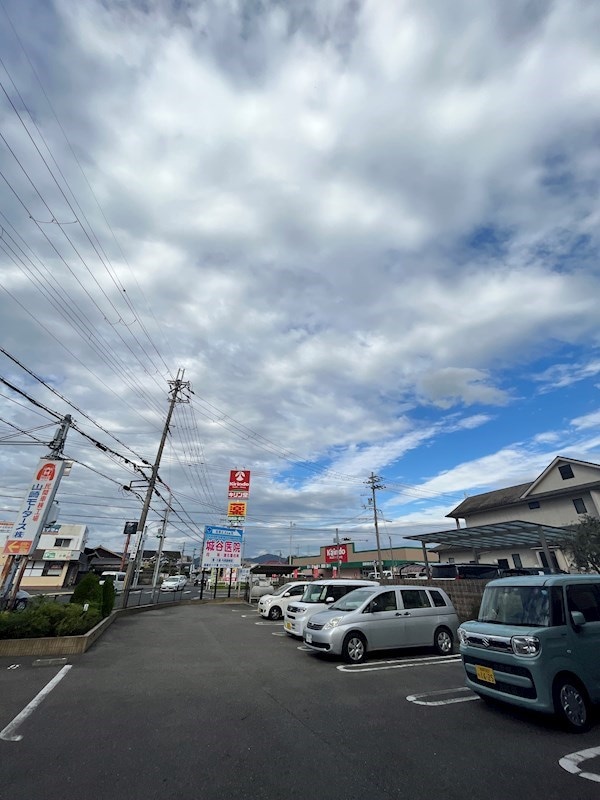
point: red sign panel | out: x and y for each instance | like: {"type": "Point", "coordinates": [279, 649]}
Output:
{"type": "Point", "coordinates": [336, 553]}
{"type": "Point", "coordinates": [17, 547]}
{"type": "Point", "coordinates": [239, 480]}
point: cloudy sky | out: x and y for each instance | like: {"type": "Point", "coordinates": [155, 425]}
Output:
{"type": "Point", "coordinates": [366, 230]}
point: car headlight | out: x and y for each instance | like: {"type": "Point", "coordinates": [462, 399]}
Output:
{"type": "Point", "coordinates": [462, 636]}
{"type": "Point", "coordinates": [333, 622]}
{"type": "Point", "coordinates": [525, 645]}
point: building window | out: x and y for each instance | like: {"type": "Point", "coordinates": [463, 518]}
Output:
{"type": "Point", "coordinates": [451, 559]}
{"type": "Point", "coordinates": [516, 560]}
{"type": "Point", "coordinates": [503, 563]}
{"type": "Point", "coordinates": [62, 543]}
{"type": "Point", "coordinates": [544, 560]}
{"type": "Point", "coordinates": [579, 506]}
{"type": "Point", "coordinates": [53, 568]}
{"type": "Point", "coordinates": [534, 504]}
{"type": "Point", "coordinates": [566, 472]}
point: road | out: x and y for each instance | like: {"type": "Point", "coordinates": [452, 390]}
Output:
{"type": "Point", "coordinates": [210, 701]}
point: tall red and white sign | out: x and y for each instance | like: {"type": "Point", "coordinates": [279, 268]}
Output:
{"type": "Point", "coordinates": [27, 528]}
{"type": "Point", "coordinates": [239, 484]}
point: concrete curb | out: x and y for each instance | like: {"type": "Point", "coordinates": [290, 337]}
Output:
{"type": "Point", "coordinates": [76, 645]}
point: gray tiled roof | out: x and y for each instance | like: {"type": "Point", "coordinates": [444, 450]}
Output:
{"type": "Point", "coordinates": [480, 502]}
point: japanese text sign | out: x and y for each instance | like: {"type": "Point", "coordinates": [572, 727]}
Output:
{"type": "Point", "coordinates": [222, 547]}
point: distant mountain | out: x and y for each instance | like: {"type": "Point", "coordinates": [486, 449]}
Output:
{"type": "Point", "coordinates": [268, 558]}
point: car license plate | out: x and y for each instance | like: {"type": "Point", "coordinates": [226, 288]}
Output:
{"type": "Point", "coordinates": [485, 674]}
{"type": "Point", "coordinates": [288, 626]}
{"type": "Point", "coordinates": [308, 638]}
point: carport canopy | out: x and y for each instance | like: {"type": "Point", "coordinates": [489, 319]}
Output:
{"type": "Point", "coordinates": [497, 536]}
{"type": "Point", "coordinates": [272, 569]}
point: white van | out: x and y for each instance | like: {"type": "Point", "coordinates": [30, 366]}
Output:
{"type": "Point", "coordinates": [118, 579]}
{"type": "Point", "coordinates": [318, 596]}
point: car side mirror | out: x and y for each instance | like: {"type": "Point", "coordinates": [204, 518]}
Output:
{"type": "Point", "coordinates": [287, 594]}
{"type": "Point", "coordinates": [330, 600]}
{"type": "Point", "coordinates": [578, 619]}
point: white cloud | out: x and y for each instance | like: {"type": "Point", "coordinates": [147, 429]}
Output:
{"type": "Point", "coordinates": [349, 222]}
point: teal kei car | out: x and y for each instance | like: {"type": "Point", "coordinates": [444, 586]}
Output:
{"type": "Point", "coordinates": [536, 644]}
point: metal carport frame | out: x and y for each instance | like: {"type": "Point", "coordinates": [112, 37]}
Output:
{"type": "Point", "coordinates": [496, 536]}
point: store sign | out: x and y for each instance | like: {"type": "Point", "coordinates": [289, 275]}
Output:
{"type": "Point", "coordinates": [222, 547]}
{"type": "Point", "coordinates": [239, 480]}
{"type": "Point", "coordinates": [34, 509]}
{"type": "Point", "coordinates": [335, 553]}
{"type": "Point", "coordinates": [57, 555]}
{"type": "Point", "coordinates": [236, 509]}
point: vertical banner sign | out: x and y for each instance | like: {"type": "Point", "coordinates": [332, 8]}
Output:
{"type": "Point", "coordinates": [27, 528]}
{"type": "Point", "coordinates": [239, 484]}
{"type": "Point", "coordinates": [222, 547]}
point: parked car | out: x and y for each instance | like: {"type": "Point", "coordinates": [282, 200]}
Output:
{"type": "Point", "coordinates": [384, 618]}
{"type": "Point", "coordinates": [173, 583]}
{"type": "Point", "coordinates": [273, 606]}
{"type": "Point", "coordinates": [464, 571]}
{"type": "Point", "coordinates": [317, 596]}
{"type": "Point", "coordinates": [118, 579]}
{"type": "Point", "coordinates": [21, 600]}
{"type": "Point", "coordinates": [536, 644]}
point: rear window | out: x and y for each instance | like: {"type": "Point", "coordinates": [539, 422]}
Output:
{"type": "Point", "coordinates": [438, 599]}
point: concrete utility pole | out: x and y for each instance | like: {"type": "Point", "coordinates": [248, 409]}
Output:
{"type": "Point", "coordinates": [374, 483]}
{"type": "Point", "coordinates": [161, 542]}
{"type": "Point", "coordinates": [176, 387]}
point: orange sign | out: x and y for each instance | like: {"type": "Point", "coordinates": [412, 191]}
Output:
{"type": "Point", "coordinates": [236, 509]}
{"type": "Point", "coordinates": [17, 547]}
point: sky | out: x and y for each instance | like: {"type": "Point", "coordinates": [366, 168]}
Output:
{"type": "Point", "coordinates": [366, 231]}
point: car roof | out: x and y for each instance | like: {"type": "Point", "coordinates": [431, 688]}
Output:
{"type": "Point", "coordinates": [545, 580]}
{"type": "Point", "coordinates": [346, 582]}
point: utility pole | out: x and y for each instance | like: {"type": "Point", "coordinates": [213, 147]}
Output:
{"type": "Point", "coordinates": [161, 542]}
{"type": "Point", "coordinates": [337, 542]}
{"type": "Point", "coordinates": [375, 483]}
{"type": "Point", "coordinates": [176, 387]}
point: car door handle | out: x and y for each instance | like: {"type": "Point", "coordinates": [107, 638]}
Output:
{"type": "Point", "coordinates": [403, 613]}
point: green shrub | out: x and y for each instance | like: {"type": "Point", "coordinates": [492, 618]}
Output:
{"type": "Point", "coordinates": [48, 619]}
{"type": "Point", "coordinates": [77, 621]}
{"type": "Point", "coordinates": [88, 590]}
{"type": "Point", "coordinates": [108, 597]}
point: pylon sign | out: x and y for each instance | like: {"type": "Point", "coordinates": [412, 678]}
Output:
{"type": "Point", "coordinates": [235, 509]}
{"type": "Point", "coordinates": [222, 547]}
{"type": "Point", "coordinates": [239, 484]}
{"type": "Point", "coordinates": [26, 530]}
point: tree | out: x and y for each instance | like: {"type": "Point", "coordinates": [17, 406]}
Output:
{"type": "Point", "coordinates": [584, 545]}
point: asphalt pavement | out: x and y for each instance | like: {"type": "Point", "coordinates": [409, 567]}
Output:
{"type": "Point", "coordinates": [210, 701]}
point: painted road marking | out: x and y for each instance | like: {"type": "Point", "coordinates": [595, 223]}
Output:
{"type": "Point", "coordinates": [304, 648]}
{"type": "Point", "coordinates": [375, 666]}
{"type": "Point", "coordinates": [461, 690]}
{"type": "Point", "coordinates": [572, 761]}
{"type": "Point", "coordinates": [8, 733]}
{"type": "Point", "coordinates": [277, 633]}
{"type": "Point", "coordinates": [269, 623]}
{"type": "Point", "coordinates": [14, 666]}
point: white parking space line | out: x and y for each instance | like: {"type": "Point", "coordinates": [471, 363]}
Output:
{"type": "Point", "coordinates": [374, 666]}
{"type": "Point", "coordinates": [14, 666]}
{"type": "Point", "coordinates": [8, 734]}
{"type": "Point", "coordinates": [277, 633]}
{"type": "Point", "coordinates": [269, 624]}
{"type": "Point", "coordinates": [572, 761]}
{"type": "Point", "coordinates": [304, 648]}
{"type": "Point", "coordinates": [465, 695]}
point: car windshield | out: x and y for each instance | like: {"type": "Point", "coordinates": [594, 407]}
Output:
{"type": "Point", "coordinates": [516, 605]}
{"type": "Point", "coordinates": [353, 600]}
{"type": "Point", "coordinates": [282, 589]}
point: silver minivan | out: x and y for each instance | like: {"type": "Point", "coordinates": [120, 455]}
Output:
{"type": "Point", "coordinates": [318, 595]}
{"type": "Point", "coordinates": [384, 618]}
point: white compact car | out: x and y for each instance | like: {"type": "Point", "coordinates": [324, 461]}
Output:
{"type": "Point", "coordinates": [318, 596]}
{"type": "Point", "coordinates": [273, 606]}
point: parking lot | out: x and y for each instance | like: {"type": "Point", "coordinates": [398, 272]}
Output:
{"type": "Point", "coordinates": [212, 701]}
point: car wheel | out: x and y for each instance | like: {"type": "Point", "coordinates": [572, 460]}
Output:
{"type": "Point", "coordinates": [20, 605]}
{"type": "Point", "coordinates": [443, 642]}
{"type": "Point", "coordinates": [355, 648]}
{"type": "Point", "coordinates": [275, 613]}
{"type": "Point", "coordinates": [571, 704]}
